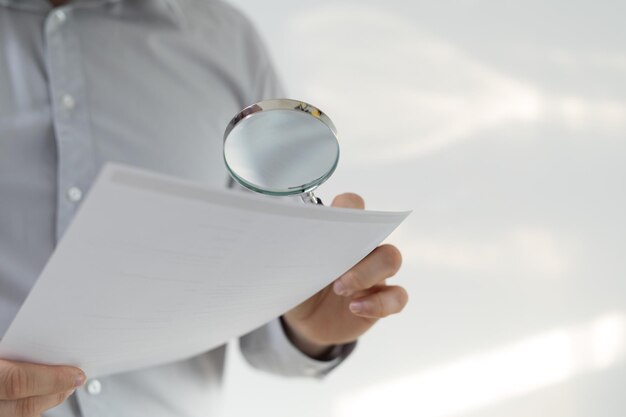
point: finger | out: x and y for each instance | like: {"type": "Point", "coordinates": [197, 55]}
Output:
{"type": "Point", "coordinates": [32, 406]}
{"type": "Point", "coordinates": [349, 200]}
{"type": "Point", "coordinates": [390, 300]}
{"type": "Point", "coordinates": [383, 262]}
{"type": "Point", "coordinates": [21, 379]}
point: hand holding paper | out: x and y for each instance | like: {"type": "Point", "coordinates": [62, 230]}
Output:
{"type": "Point", "coordinates": [28, 389]}
{"type": "Point", "coordinates": [344, 310]}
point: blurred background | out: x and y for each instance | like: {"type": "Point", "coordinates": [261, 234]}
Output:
{"type": "Point", "coordinates": [503, 126]}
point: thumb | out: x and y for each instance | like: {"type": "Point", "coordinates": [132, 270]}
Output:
{"type": "Point", "coordinates": [349, 200]}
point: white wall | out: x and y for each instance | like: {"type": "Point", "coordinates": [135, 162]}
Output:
{"type": "Point", "coordinates": [503, 125]}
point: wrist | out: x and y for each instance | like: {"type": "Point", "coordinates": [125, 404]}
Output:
{"type": "Point", "coordinates": [312, 349]}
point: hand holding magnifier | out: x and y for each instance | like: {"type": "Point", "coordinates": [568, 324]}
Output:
{"type": "Point", "coordinates": [287, 147]}
{"type": "Point", "coordinates": [281, 147]}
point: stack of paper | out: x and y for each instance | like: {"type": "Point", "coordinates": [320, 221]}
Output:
{"type": "Point", "coordinates": [155, 269]}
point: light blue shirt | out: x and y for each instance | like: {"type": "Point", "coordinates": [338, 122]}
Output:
{"type": "Point", "coordinates": [150, 83]}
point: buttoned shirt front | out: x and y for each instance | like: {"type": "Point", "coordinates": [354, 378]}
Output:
{"type": "Point", "coordinates": [150, 83]}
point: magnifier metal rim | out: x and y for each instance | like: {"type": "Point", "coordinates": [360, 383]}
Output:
{"type": "Point", "coordinates": [281, 104]}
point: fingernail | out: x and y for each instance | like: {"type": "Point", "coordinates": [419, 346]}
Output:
{"type": "Point", "coordinates": [339, 288]}
{"type": "Point", "coordinates": [80, 379]}
{"type": "Point", "coordinates": [356, 306]}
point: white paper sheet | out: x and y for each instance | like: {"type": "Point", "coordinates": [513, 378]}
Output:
{"type": "Point", "coordinates": [155, 269]}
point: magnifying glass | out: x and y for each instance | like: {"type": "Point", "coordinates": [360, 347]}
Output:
{"type": "Point", "coordinates": [281, 147]}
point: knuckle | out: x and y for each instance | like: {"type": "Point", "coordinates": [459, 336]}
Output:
{"type": "Point", "coordinates": [402, 298]}
{"type": "Point", "coordinates": [27, 407]}
{"type": "Point", "coordinates": [62, 397]}
{"type": "Point", "coordinates": [380, 309]}
{"type": "Point", "coordinates": [349, 200]}
{"type": "Point", "coordinates": [354, 199]}
{"type": "Point", "coordinates": [391, 257]}
{"type": "Point", "coordinates": [16, 382]}
{"type": "Point", "coordinates": [356, 280]}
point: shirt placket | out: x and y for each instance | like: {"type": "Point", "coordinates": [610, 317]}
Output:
{"type": "Point", "coordinates": [76, 164]}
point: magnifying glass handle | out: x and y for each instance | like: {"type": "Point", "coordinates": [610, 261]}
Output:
{"type": "Point", "coordinates": [310, 198]}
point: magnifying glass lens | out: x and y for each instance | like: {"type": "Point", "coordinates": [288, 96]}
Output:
{"type": "Point", "coordinates": [280, 150]}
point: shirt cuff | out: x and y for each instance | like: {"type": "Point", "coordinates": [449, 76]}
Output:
{"type": "Point", "coordinates": [269, 348]}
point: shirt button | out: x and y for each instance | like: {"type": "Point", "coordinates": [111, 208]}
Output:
{"type": "Point", "coordinates": [74, 194]}
{"type": "Point", "coordinates": [60, 16]}
{"type": "Point", "coordinates": [94, 387]}
{"type": "Point", "coordinates": [68, 102]}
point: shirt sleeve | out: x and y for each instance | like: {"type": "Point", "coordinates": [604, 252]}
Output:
{"type": "Point", "coordinates": [268, 348]}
